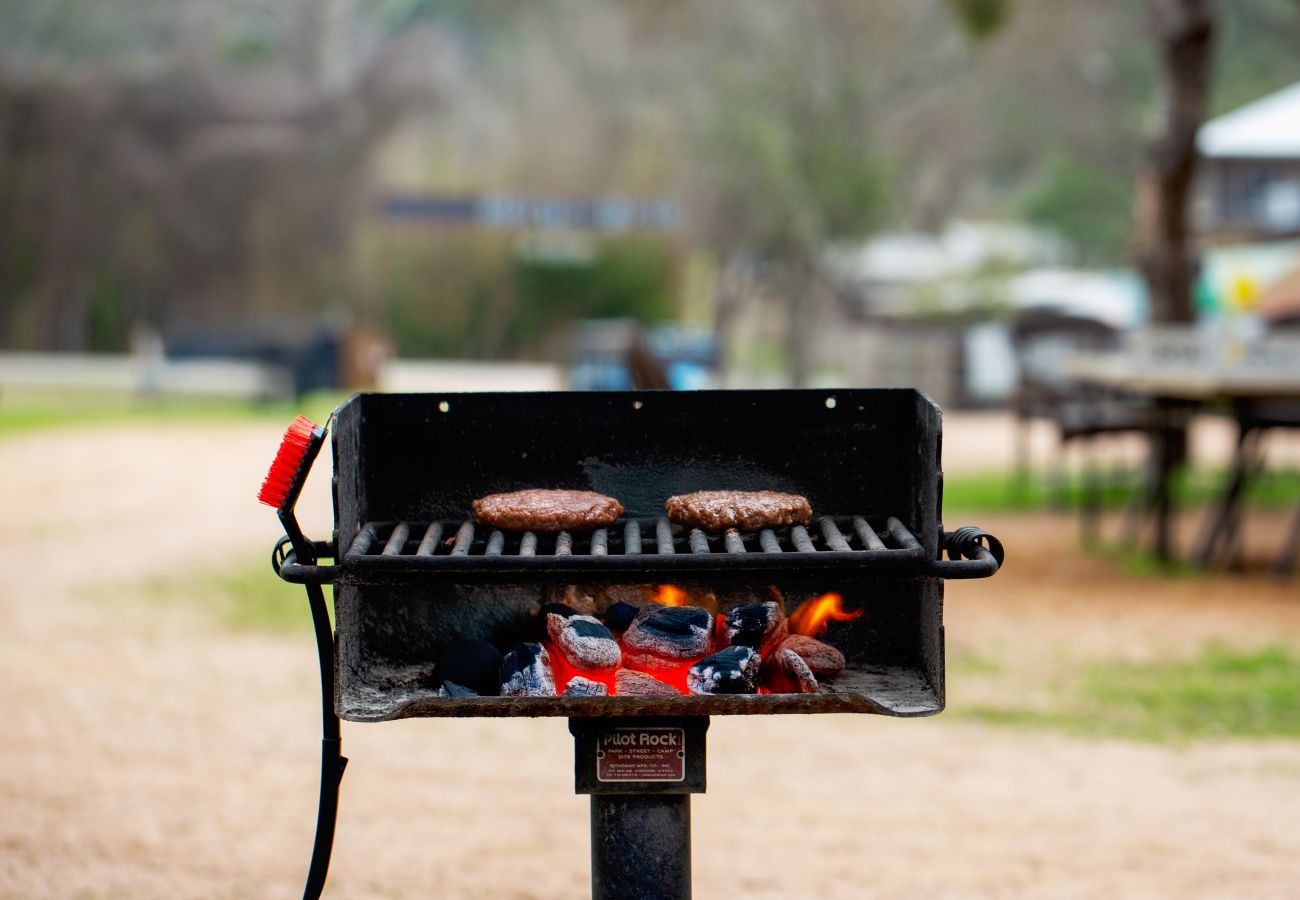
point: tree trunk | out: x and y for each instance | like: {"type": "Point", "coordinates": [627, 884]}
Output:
{"type": "Point", "coordinates": [1184, 30]}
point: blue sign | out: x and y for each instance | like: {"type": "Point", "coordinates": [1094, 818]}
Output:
{"type": "Point", "coordinates": [504, 211]}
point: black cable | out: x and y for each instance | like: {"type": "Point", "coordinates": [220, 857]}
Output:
{"type": "Point", "coordinates": [332, 760]}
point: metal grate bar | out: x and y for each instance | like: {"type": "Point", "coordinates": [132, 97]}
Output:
{"type": "Point", "coordinates": [834, 537]}
{"type": "Point", "coordinates": [898, 531]}
{"type": "Point", "coordinates": [632, 537]}
{"type": "Point", "coordinates": [802, 542]}
{"type": "Point", "coordinates": [664, 537]}
{"type": "Point", "coordinates": [387, 550]}
{"type": "Point", "coordinates": [397, 540]}
{"type": "Point", "coordinates": [361, 543]}
{"type": "Point", "coordinates": [867, 534]}
{"type": "Point", "coordinates": [429, 543]}
{"type": "Point", "coordinates": [464, 538]}
{"type": "Point", "coordinates": [699, 541]}
{"type": "Point", "coordinates": [734, 542]}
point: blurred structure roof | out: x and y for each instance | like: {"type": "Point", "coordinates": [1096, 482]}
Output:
{"type": "Point", "coordinates": [1267, 128]}
{"type": "Point", "coordinates": [1116, 298]}
{"type": "Point", "coordinates": [961, 248]}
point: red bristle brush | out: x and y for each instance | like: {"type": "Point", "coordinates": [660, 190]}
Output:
{"type": "Point", "coordinates": [298, 448]}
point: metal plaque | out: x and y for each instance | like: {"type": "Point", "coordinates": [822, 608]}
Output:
{"type": "Point", "coordinates": [641, 754]}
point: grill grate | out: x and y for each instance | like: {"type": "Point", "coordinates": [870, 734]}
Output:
{"type": "Point", "coordinates": [383, 551]}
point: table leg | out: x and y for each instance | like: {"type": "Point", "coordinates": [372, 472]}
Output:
{"type": "Point", "coordinates": [1168, 451]}
{"type": "Point", "coordinates": [1225, 519]}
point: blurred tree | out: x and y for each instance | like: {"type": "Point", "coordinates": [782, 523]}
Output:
{"type": "Point", "coordinates": [1088, 205]}
{"type": "Point", "coordinates": [1183, 30]}
{"type": "Point", "coordinates": [786, 161]}
{"type": "Point", "coordinates": [192, 187]}
{"type": "Point", "coordinates": [980, 18]}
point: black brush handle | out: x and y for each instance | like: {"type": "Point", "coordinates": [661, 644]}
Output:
{"type": "Point", "coordinates": [332, 760]}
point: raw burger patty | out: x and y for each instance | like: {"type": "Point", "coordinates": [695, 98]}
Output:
{"type": "Point", "coordinates": [745, 510]}
{"type": "Point", "coordinates": [545, 510]}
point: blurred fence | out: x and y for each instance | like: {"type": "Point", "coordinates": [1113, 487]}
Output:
{"type": "Point", "coordinates": [252, 380]}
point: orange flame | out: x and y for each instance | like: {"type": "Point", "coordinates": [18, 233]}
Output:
{"type": "Point", "coordinates": [813, 615]}
{"type": "Point", "coordinates": [670, 595]}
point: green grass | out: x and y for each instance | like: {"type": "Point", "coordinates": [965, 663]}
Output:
{"type": "Point", "coordinates": [24, 411]}
{"type": "Point", "coordinates": [996, 492]}
{"type": "Point", "coordinates": [247, 598]}
{"type": "Point", "coordinates": [1221, 692]}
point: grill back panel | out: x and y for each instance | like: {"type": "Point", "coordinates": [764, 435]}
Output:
{"type": "Point", "coordinates": [423, 457]}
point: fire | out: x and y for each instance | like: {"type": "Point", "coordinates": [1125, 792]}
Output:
{"type": "Point", "coordinates": [670, 595]}
{"type": "Point", "coordinates": [813, 615]}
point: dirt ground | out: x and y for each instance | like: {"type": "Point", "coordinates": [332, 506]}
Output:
{"type": "Point", "coordinates": [149, 752]}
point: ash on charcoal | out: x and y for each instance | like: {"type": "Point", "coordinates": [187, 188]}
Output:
{"type": "Point", "coordinates": [630, 683]}
{"type": "Point", "coordinates": [823, 660]}
{"type": "Point", "coordinates": [585, 687]}
{"type": "Point", "coordinates": [584, 642]}
{"type": "Point", "coordinates": [785, 672]}
{"type": "Point", "coordinates": [526, 672]}
{"type": "Point", "coordinates": [560, 609]}
{"type": "Point", "coordinates": [730, 671]}
{"type": "Point", "coordinates": [619, 615]}
{"type": "Point", "coordinates": [756, 625]}
{"type": "Point", "coordinates": [667, 636]}
{"type": "Point", "coordinates": [472, 664]}
{"type": "Point", "coordinates": [452, 689]}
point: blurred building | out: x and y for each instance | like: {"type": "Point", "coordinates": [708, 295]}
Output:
{"type": "Point", "coordinates": [936, 311]}
{"type": "Point", "coordinates": [1250, 180]}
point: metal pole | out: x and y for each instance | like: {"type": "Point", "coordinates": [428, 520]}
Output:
{"type": "Point", "coordinates": [640, 846]}
{"type": "Point", "coordinates": [640, 773]}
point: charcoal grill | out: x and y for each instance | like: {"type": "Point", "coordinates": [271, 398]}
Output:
{"type": "Point", "coordinates": [413, 573]}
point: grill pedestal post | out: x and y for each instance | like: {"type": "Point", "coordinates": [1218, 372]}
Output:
{"type": "Point", "coordinates": [640, 846]}
{"type": "Point", "coordinates": [640, 773]}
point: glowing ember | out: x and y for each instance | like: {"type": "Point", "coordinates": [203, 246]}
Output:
{"type": "Point", "coordinates": [813, 615]}
{"type": "Point", "coordinates": [670, 595]}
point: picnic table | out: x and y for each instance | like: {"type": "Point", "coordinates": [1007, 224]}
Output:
{"type": "Point", "coordinates": [1180, 370]}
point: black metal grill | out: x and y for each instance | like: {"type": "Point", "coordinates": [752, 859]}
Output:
{"type": "Point", "coordinates": [638, 547]}
{"type": "Point", "coordinates": [414, 574]}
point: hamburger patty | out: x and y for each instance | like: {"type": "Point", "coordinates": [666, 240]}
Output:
{"type": "Point", "coordinates": [745, 510]}
{"type": "Point", "coordinates": [537, 509]}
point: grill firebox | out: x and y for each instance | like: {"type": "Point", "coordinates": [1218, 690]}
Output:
{"type": "Point", "coordinates": [416, 574]}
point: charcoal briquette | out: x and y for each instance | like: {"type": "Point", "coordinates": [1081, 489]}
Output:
{"type": "Point", "coordinates": [668, 636]}
{"type": "Point", "coordinates": [619, 615]}
{"type": "Point", "coordinates": [630, 683]}
{"type": "Point", "coordinates": [730, 671]}
{"type": "Point", "coordinates": [585, 687]}
{"type": "Point", "coordinates": [472, 664]}
{"type": "Point", "coordinates": [452, 689]}
{"type": "Point", "coordinates": [526, 672]}
{"type": "Point", "coordinates": [756, 625]}
{"type": "Point", "coordinates": [584, 642]}
{"type": "Point", "coordinates": [823, 660]}
{"type": "Point", "coordinates": [785, 672]}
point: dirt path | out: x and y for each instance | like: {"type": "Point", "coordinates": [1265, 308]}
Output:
{"type": "Point", "coordinates": [149, 753]}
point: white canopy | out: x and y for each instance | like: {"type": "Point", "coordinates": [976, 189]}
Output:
{"type": "Point", "coordinates": [1268, 128]}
